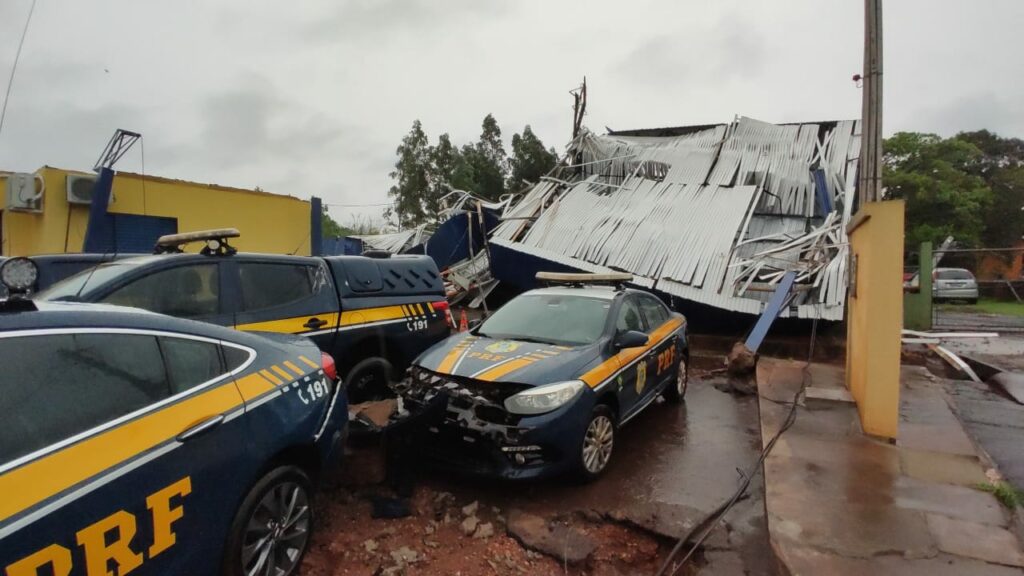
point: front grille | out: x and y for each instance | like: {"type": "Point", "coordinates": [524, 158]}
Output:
{"type": "Point", "coordinates": [484, 400]}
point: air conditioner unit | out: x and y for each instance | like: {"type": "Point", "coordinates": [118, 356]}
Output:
{"type": "Point", "coordinates": [22, 192]}
{"type": "Point", "coordinates": [80, 189]}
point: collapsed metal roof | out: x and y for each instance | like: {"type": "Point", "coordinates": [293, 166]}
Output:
{"type": "Point", "coordinates": [394, 242]}
{"type": "Point", "coordinates": [715, 215]}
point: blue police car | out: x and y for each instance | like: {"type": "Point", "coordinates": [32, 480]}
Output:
{"type": "Point", "coordinates": [140, 443]}
{"type": "Point", "coordinates": [541, 386]}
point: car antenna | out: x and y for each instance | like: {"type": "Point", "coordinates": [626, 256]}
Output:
{"type": "Point", "coordinates": [92, 270]}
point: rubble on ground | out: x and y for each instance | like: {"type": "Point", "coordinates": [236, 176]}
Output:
{"type": "Point", "coordinates": [446, 536]}
{"type": "Point", "coordinates": [741, 360]}
{"type": "Point", "coordinates": [551, 538]}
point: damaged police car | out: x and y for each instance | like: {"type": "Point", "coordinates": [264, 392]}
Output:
{"type": "Point", "coordinates": [140, 443]}
{"type": "Point", "coordinates": [541, 387]}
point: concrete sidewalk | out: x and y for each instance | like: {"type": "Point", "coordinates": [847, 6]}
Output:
{"type": "Point", "coordinates": [839, 502]}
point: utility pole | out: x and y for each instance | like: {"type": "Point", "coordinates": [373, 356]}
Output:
{"type": "Point", "coordinates": [870, 177]}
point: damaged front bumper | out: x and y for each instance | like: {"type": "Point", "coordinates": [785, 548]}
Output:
{"type": "Point", "coordinates": [478, 436]}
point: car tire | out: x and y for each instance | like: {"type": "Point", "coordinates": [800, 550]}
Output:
{"type": "Point", "coordinates": [369, 380]}
{"type": "Point", "coordinates": [675, 392]}
{"type": "Point", "coordinates": [264, 529]}
{"type": "Point", "coordinates": [597, 444]}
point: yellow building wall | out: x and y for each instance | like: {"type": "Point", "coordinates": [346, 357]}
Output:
{"type": "Point", "coordinates": [875, 317]}
{"type": "Point", "coordinates": [268, 223]}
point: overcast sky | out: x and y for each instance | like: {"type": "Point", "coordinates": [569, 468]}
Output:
{"type": "Point", "coordinates": [311, 98]}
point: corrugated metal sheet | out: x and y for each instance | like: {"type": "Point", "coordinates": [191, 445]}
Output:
{"type": "Point", "coordinates": [715, 216]}
{"type": "Point", "coordinates": [394, 242]}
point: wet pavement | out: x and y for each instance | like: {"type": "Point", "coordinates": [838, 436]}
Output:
{"type": "Point", "coordinates": [995, 422]}
{"type": "Point", "coordinates": [839, 502]}
{"type": "Point", "coordinates": [992, 419]}
{"type": "Point", "coordinates": [951, 319]}
{"type": "Point", "coordinates": [1005, 351]}
{"type": "Point", "coordinates": [673, 465]}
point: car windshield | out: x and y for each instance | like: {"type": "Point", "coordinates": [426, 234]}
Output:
{"type": "Point", "coordinates": [70, 288]}
{"type": "Point", "coordinates": [954, 274]}
{"type": "Point", "coordinates": [557, 319]}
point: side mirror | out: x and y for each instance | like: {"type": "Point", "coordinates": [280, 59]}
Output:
{"type": "Point", "coordinates": [630, 339]}
{"type": "Point", "coordinates": [473, 324]}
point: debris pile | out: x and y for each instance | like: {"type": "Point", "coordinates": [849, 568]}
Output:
{"type": "Point", "coordinates": [395, 242]}
{"type": "Point", "coordinates": [713, 214]}
{"type": "Point", "coordinates": [447, 536]}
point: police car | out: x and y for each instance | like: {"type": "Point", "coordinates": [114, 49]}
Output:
{"type": "Point", "coordinates": [140, 443]}
{"type": "Point", "coordinates": [541, 386]}
{"type": "Point", "coordinates": [373, 315]}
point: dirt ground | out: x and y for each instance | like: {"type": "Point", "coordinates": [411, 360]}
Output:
{"type": "Point", "coordinates": [674, 464]}
{"type": "Point", "coordinates": [434, 541]}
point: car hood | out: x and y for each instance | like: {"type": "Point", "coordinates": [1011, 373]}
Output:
{"type": "Point", "coordinates": [507, 360]}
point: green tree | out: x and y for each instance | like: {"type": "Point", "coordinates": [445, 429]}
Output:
{"type": "Point", "coordinates": [996, 153]}
{"type": "Point", "coordinates": [529, 161]}
{"type": "Point", "coordinates": [488, 161]}
{"type": "Point", "coordinates": [464, 175]}
{"type": "Point", "coordinates": [412, 190]}
{"type": "Point", "coordinates": [445, 159]}
{"type": "Point", "coordinates": [943, 198]}
{"type": "Point", "coordinates": [330, 228]}
{"type": "Point", "coordinates": [1001, 165]}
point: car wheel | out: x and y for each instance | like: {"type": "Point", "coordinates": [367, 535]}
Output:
{"type": "Point", "coordinates": [271, 530]}
{"type": "Point", "coordinates": [676, 391]}
{"type": "Point", "coordinates": [598, 443]}
{"type": "Point", "coordinates": [368, 380]}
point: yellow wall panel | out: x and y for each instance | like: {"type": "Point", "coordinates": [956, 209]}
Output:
{"type": "Point", "coordinates": [875, 317]}
{"type": "Point", "coordinates": [268, 222]}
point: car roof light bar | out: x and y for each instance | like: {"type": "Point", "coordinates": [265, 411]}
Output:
{"type": "Point", "coordinates": [617, 279]}
{"type": "Point", "coordinates": [216, 241]}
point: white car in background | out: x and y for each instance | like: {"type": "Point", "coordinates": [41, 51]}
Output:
{"type": "Point", "coordinates": [954, 284]}
{"type": "Point", "coordinates": [950, 284]}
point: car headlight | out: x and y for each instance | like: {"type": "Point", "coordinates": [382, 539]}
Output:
{"type": "Point", "coordinates": [543, 398]}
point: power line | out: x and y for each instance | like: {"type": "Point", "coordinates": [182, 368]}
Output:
{"type": "Point", "coordinates": [14, 67]}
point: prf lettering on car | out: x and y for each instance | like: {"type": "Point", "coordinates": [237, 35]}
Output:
{"type": "Point", "coordinates": [112, 540]}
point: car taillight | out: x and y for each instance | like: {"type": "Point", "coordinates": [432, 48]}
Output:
{"type": "Point", "coordinates": [442, 307]}
{"type": "Point", "coordinates": [327, 363]}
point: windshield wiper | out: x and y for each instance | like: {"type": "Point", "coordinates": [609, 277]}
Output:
{"type": "Point", "coordinates": [517, 337]}
{"type": "Point", "coordinates": [532, 340]}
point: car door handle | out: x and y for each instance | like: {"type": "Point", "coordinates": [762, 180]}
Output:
{"type": "Point", "coordinates": [201, 428]}
{"type": "Point", "coordinates": [314, 323]}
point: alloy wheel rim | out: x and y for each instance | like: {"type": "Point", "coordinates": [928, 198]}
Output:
{"type": "Point", "coordinates": [277, 532]}
{"type": "Point", "coordinates": [598, 443]}
{"type": "Point", "coordinates": [682, 378]}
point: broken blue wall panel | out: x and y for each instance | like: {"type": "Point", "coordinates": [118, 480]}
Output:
{"type": "Point", "coordinates": [126, 233]}
{"type": "Point", "coordinates": [779, 299]}
{"type": "Point", "coordinates": [450, 242]}
{"type": "Point", "coordinates": [316, 236]}
{"type": "Point", "coordinates": [520, 269]}
{"type": "Point", "coordinates": [342, 246]}
{"type": "Point", "coordinates": [822, 192]}
{"type": "Point", "coordinates": [99, 232]}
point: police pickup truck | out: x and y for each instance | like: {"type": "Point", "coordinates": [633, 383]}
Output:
{"type": "Point", "coordinates": [372, 314]}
